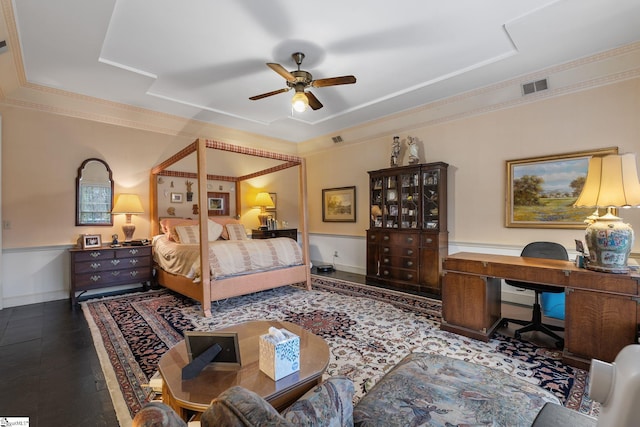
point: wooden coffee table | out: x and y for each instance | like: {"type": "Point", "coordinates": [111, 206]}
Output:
{"type": "Point", "coordinates": [196, 394]}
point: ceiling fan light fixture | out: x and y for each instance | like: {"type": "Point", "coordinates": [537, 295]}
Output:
{"type": "Point", "coordinates": [300, 102]}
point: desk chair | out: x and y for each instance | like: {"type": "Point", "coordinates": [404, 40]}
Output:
{"type": "Point", "coordinates": [548, 250]}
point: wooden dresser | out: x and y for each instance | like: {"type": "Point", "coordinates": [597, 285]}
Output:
{"type": "Point", "coordinates": [105, 267]}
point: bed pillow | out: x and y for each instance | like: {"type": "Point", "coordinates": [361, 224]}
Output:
{"type": "Point", "coordinates": [169, 225]}
{"type": "Point", "coordinates": [223, 221]}
{"type": "Point", "coordinates": [190, 234]}
{"type": "Point", "coordinates": [236, 232]}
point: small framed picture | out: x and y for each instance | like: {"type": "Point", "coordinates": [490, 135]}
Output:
{"type": "Point", "coordinates": [176, 197]}
{"type": "Point", "coordinates": [91, 241]}
{"type": "Point", "coordinates": [198, 342]}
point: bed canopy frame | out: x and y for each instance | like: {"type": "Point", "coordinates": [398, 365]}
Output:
{"type": "Point", "coordinates": [209, 290]}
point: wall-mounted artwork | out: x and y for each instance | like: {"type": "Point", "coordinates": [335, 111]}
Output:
{"type": "Point", "coordinates": [339, 204]}
{"type": "Point", "coordinates": [541, 191]}
{"type": "Point", "coordinates": [217, 203]}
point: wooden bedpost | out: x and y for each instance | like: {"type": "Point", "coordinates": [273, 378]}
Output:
{"type": "Point", "coordinates": [304, 220]}
{"type": "Point", "coordinates": [205, 275]}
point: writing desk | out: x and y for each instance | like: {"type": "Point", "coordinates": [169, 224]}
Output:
{"type": "Point", "coordinates": [602, 311]}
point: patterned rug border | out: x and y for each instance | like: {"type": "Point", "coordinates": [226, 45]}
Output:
{"type": "Point", "coordinates": [424, 307]}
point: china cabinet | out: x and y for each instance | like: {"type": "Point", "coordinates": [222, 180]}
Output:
{"type": "Point", "coordinates": [407, 238]}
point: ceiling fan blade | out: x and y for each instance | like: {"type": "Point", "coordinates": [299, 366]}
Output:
{"type": "Point", "coordinates": [282, 71]}
{"type": "Point", "coordinates": [334, 81]}
{"type": "Point", "coordinates": [264, 95]}
{"type": "Point", "coordinates": [313, 101]}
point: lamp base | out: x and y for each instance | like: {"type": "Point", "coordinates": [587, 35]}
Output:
{"type": "Point", "coordinates": [609, 241]}
{"type": "Point", "coordinates": [128, 230]}
{"type": "Point", "coordinates": [263, 221]}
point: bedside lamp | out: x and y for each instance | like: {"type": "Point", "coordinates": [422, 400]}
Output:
{"type": "Point", "coordinates": [264, 201]}
{"type": "Point", "coordinates": [612, 182]}
{"type": "Point", "coordinates": [128, 204]}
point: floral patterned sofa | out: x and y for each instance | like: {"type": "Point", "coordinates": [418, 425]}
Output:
{"type": "Point", "coordinates": [422, 389]}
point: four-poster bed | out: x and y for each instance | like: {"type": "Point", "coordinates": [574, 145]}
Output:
{"type": "Point", "coordinates": [208, 288]}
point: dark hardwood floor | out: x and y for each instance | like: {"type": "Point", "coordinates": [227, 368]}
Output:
{"type": "Point", "coordinates": [50, 370]}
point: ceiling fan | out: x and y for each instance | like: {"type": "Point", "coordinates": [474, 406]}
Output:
{"type": "Point", "coordinates": [300, 80]}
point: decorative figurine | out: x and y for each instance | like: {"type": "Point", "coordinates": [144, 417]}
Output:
{"type": "Point", "coordinates": [189, 191]}
{"type": "Point", "coordinates": [413, 150]}
{"type": "Point", "coordinates": [114, 241]}
{"type": "Point", "coordinates": [195, 209]}
{"type": "Point", "coordinates": [395, 151]}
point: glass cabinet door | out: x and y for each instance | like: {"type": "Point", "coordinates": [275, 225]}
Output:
{"type": "Point", "coordinates": [390, 208]}
{"type": "Point", "coordinates": [430, 216]}
{"type": "Point", "coordinates": [376, 202]}
{"type": "Point", "coordinates": [409, 200]}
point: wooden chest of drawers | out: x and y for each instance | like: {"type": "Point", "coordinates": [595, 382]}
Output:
{"type": "Point", "coordinates": [105, 267]}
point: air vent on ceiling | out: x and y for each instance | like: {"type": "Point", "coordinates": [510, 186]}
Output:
{"type": "Point", "coordinates": [536, 86]}
{"type": "Point", "coordinates": [336, 139]}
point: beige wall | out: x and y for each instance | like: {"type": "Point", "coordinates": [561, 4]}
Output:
{"type": "Point", "coordinates": [477, 148]}
{"type": "Point", "coordinates": [41, 153]}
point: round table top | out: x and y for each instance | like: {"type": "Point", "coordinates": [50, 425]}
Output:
{"type": "Point", "coordinates": [198, 392]}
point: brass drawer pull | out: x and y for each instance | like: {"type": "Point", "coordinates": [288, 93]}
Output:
{"type": "Point", "coordinates": [385, 237]}
{"type": "Point", "coordinates": [385, 261]}
{"type": "Point", "coordinates": [95, 265]}
{"type": "Point", "coordinates": [385, 250]}
{"type": "Point", "coordinates": [410, 239]}
{"type": "Point", "coordinates": [134, 273]}
{"type": "Point", "coordinates": [95, 278]}
{"type": "Point", "coordinates": [95, 254]}
{"type": "Point", "coordinates": [115, 273]}
{"type": "Point", "coordinates": [409, 276]}
{"type": "Point", "coordinates": [429, 240]}
{"type": "Point", "coordinates": [134, 261]}
{"type": "Point", "coordinates": [410, 252]}
{"type": "Point", "coordinates": [385, 273]}
{"type": "Point", "coordinates": [115, 261]}
{"type": "Point", "coordinates": [409, 263]}
{"type": "Point", "coordinates": [133, 251]}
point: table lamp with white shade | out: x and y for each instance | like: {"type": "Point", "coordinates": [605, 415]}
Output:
{"type": "Point", "coordinates": [612, 182]}
{"type": "Point", "coordinates": [128, 204]}
{"type": "Point", "coordinates": [264, 201]}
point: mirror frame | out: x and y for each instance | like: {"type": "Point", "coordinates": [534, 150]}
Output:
{"type": "Point", "coordinates": [78, 177]}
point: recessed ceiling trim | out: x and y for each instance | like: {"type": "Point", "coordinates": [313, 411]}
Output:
{"type": "Point", "coordinates": [127, 68]}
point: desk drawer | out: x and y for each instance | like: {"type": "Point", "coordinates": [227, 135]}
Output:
{"type": "Point", "coordinates": [410, 263]}
{"type": "Point", "coordinates": [399, 251]}
{"type": "Point", "coordinates": [400, 239]}
{"type": "Point", "coordinates": [133, 251]}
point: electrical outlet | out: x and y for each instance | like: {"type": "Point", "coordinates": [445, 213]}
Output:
{"type": "Point", "coordinates": [335, 254]}
{"type": "Point", "coordinates": [6, 225]}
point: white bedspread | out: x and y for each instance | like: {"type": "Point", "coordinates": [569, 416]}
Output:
{"type": "Point", "coordinates": [227, 257]}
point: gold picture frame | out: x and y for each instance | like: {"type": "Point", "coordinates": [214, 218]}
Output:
{"type": "Point", "coordinates": [339, 204]}
{"type": "Point", "coordinates": [541, 191]}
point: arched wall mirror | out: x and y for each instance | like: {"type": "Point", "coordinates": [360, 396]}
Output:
{"type": "Point", "coordinates": [94, 193]}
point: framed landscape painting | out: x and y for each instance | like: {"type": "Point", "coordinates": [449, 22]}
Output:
{"type": "Point", "coordinates": [541, 191]}
{"type": "Point", "coordinates": [339, 204]}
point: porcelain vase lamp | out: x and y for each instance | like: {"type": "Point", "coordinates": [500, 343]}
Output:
{"type": "Point", "coordinates": [612, 182]}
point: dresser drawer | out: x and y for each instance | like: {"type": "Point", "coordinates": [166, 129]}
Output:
{"type": "Point", "coordinates": [399, 251]}
{"type": "Point", "coordinates": [410, 263]}
{"type": "Point", "coordinates": [111, 277]}
{"type": "Point", "coordinates": [398, 274]}
{"type": "Point", "coordinates": [93, 255]}
{"type": "Point", "coordinates": [111, 264]}
{"type": "Point", "coordinates": [133, 251]}
{"type": "Point", "coordinates": [400, 239]}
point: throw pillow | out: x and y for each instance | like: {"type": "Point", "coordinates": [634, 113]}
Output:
{"type": "Point", "coordinates": [237, 232]}
{"type": "Point", "coordinates": [190, 234]}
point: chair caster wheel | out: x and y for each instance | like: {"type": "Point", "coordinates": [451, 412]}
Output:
{"type": "Point", "coordinates": [518, 335]}
{"type": "Point", "coordinates": [504, 323]}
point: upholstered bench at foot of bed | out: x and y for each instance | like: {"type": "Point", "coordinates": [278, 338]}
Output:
{"type": "Point", "coordinates": [426, 389]}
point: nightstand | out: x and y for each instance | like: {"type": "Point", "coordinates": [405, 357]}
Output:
{"type": "Point", "coordinates": [106, 266]}
{"type": "Point", "coordinates": [291, 233]}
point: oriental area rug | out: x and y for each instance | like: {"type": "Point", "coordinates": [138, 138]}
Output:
{"type": "Point", "coordinates": [368, 330]}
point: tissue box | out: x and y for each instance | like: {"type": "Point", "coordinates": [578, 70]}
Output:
{"type": "Point", "coordinates": [281, 359]}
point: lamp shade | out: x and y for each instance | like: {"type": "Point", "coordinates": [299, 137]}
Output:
{"type": "Point", "coordinates": [612, 181]}
{"type": "Point", "coordinates": [264, 200]}
{"type": "Point", "coordinates": [127, 204]}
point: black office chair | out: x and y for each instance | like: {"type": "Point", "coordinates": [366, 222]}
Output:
{"type": "Point", "coordinates": [548, 250]}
